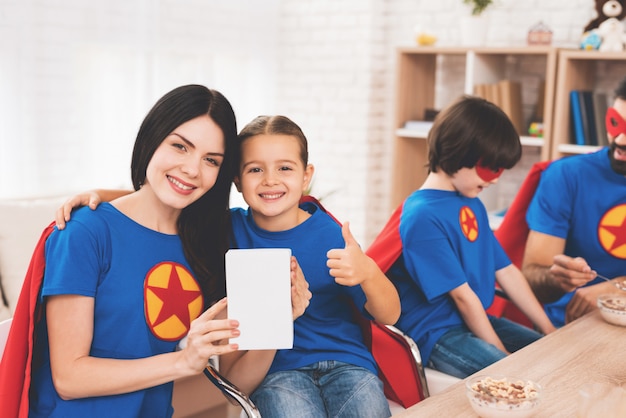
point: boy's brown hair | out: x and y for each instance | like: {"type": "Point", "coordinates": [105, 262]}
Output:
{"type": "Point", "coordinates": [469, 130]}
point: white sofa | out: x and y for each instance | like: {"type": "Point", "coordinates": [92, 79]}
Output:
{"type": "Point", "coordinates": [21, 224]}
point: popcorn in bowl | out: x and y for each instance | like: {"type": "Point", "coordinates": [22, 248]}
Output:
{"type": "Point", "coordinates": [502, 397]}
{"type": "Point", "coordinates": [613, 308]}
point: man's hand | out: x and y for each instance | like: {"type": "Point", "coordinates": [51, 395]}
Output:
{"type": "Point", "coordinates": [571, 273]}
{"type": "Point", "coordinates": [585, 300]}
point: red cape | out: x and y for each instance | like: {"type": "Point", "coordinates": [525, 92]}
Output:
{"type": "Point", "coordinates": [397, 365]}
{"type": "Point", "coordinates": [512, 235]}
{"type": "Point", "coordinates": [15, 368]}
{"type": "Point", "coordinates": [387, 247]}
{"type": "Point", "coordinates": [513, 230]}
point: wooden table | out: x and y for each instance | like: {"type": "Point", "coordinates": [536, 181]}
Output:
{"type": "Point", "coordinates": [586, 350]}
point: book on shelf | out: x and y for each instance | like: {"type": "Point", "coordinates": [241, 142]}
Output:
{"type": "Point", "coordinates": [541, 97]}
{"type": "Point", "coordinates": [589, 121]}
{"type": "Point", "coordinates": [510, 101]}
{"type": "Point", "coordinates": [493, 93]}
{"type": "Point", "coordinates": [507, 95]}
{"type": "Point", "coordinates": [600, 106]}
{"type": "Point", "coordinates": [576, 118]}
{"type": "Point", "coordinates": [480, 90]}
{"type": "Point", "coordinates": [488, 91]}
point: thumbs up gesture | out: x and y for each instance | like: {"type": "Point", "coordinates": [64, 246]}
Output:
{"type": "Point", "coordinates": [349, 265]}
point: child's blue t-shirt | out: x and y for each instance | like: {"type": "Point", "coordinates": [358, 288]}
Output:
{"type": "Point", "coordinates": [446, 242]}
{"type": "Point", "coordinates": [582, 200]}
{"type": "Point", "coordinates": [327, 329]}
{"type": "Point", "coordinates": [144, 296]}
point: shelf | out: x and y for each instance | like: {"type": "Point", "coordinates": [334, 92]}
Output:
{"type": "Point", "coordinates": [532, 141]}
{"type": "Point", "coordinates": [411, 133]}
{"type": "Point", "coordinates": [528, 141]}
{"type": "Point", "coordinates": [581, 70]}
{"type": "Point", "coordinates": [433, 77]}
{"type": "Point", "coordinates": [577, 149]}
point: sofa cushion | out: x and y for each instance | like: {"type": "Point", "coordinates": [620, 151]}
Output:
{"type": "Point", "coordinates": [21, 224]}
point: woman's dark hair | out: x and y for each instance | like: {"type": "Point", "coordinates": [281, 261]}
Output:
{"type": "Point", "coordinates": [204, 226]}
{"type": "Point", "coordinates": [469, 130]}
{"type": "Point", "coordinates": [274, 125]}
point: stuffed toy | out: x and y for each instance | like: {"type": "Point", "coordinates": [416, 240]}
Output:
{"type": "Point", "coordinates": [607, 26]}
{"type": "Point", "coordinates": [590, 40]}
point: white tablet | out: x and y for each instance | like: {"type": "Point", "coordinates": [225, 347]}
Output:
{"type": "Point", "coordinates": [258, 287]}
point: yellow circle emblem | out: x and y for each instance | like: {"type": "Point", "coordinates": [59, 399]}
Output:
{"type": "Point", "coordinates": [612, 231]}
{"type": "Point", "coordinates": [172, 299]}
{"type": "Point", "coordinates": [469, 224]}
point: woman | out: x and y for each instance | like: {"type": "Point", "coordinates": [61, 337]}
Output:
{"type": "Point", "coordinates": [124, 283]}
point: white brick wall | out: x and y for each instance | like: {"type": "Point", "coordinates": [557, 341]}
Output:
{"type": "Point", "coordinates": [77, 78]}
{"type": "Point", "coordinates": [351, 139]}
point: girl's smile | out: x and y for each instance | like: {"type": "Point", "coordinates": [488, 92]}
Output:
{"type": "Point", "coordinates": [272, 178]}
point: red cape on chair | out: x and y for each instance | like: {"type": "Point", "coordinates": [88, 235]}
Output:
{"type": "Point", "coordinates": [15, 368]}
{"type": "Point", "coordinates": [512, 235]}
{"type": "Point", "coordinates": [513, 230]}
{"type": "Point", "coordinates": [387, 247]}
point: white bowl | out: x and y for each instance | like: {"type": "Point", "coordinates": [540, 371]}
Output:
{"type": "Point", "coordinates": [502, 396]}
{"type": "Point", "coordinates": [613, 308]}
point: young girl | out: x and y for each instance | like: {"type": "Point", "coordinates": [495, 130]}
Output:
{"type": "Point", "coordinates": [124, 283]}
{"type": "Point", "coordinates": [450, 258]}
{"type": "Point", "coordinates": [329, 372]}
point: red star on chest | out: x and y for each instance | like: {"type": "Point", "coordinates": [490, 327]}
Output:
{"type": "Point", "coordinates": [175, 300]}
{"type": "Point", "coordinates": [612, 230]}
{"type": "Point", "coordinates": [469, 224]}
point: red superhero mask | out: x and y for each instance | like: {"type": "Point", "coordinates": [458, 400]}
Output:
{"type": "Point", "coordinates": [615, 124]}
{"type": "Point", "coordinates": [486, 173]}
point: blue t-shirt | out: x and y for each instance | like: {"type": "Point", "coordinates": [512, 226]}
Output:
{"type": "Point", "coordinates": [145, 298]}
{"type": "Point", "coordinates": [446, 242]}
{"type": "Point", "coordinates": [582, 200]}
{"type": "Point", "coordinates": [327, 330]}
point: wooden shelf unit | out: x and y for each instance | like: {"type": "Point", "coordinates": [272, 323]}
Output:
{"type": "Point", "coordinates": [580, 70]}
{"type": "Point", "coordinates": [421, 72]}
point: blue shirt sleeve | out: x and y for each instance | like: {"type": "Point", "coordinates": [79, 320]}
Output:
{"type": "Point", "coordinates": [74, 259]}
{"type": "Point", "coordinates": [550, 209]}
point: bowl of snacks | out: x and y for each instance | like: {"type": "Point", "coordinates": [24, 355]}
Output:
{"type": "Point", "coordinates": [613, 308]}
{"type": "Point", "coordinates": [502, 396]}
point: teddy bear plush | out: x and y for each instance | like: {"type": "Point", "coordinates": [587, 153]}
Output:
{"type": "Point", "coordinates": [607, 26]}
{"type": "Point", "coordinates": [612, 7]}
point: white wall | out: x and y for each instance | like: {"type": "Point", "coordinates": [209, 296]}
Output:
{"type": "Point", "coordinates": [77, 77]}
{"type": "Point", "coordinates": [336, 78]}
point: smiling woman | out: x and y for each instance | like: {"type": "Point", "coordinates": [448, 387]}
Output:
{"type": "Point", "coordinates": [145, 273]}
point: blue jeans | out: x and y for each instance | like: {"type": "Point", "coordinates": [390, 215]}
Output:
{"type": "Point", "coordinates": [324, 389]}
{"type": "Point", "coordinates": [460, 353]}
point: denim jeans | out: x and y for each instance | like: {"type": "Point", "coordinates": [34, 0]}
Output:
{"type": "Point", "coordinates": [323, 389]}
{"type": "Point", "coordinates": [460, 353]}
